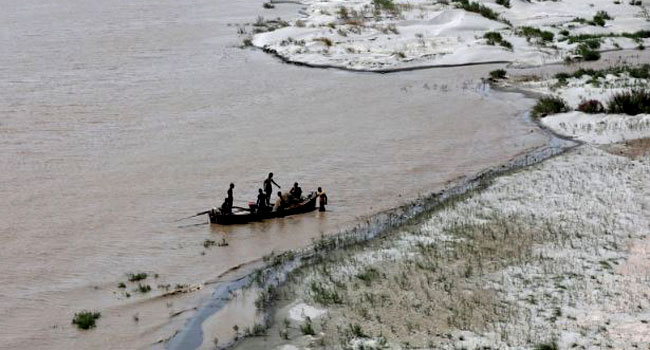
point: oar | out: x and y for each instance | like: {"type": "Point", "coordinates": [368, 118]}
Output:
{"type": "Point", "coordinates": [193, 216]}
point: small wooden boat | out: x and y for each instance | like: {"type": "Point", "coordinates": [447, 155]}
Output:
{"type": "Point", "coordinates": [306, 205]}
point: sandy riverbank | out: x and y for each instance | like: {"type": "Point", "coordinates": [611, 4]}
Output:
{"type": "Point", "coordinates": [553, 254]}
{"type": "Point", "coordinates": [385, 35]}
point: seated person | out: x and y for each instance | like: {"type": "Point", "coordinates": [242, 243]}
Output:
{"type": "Point", "coordinates": [280, 203]}
{"type": "Point", "coordinates": [296, 192]}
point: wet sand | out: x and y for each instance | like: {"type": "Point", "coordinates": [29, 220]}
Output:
{"type": "Point", "coordinates": [118, 118]}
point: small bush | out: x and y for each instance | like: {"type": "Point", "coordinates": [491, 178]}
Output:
{"type": "Point", "coordinates": [388, 5]}
{"type": "Point", "coordinates": [530, 32]}
{"type": "Point", "coordinates": [494, 38]}
{"type": "Point", "coordinates": [137, 276]}
{"type": "Point", "coordinates": [498, 74]}
{"type": "Point", "coordinates": [144, 288]}
{"type": "Point", "coordinates": [85, 319]}
{"type": "Point", "coordinates": [587, 53]}
{"type": "Point", "coordinates": [549, 105]}
{"type": "Point", "coordinates": [591, 107]}
{"type": "Point", "coordinates": [600, 18]}
{"type": "Point", "coordinates": [268, 5]}
{"type": "Point", "coordinates": [547, 346]}
{"type": "Point", "coordinates": [630, 102]}
{"type": "Point", "coordinates": [307, 328]}
{"type": "Point", "coordinates": [480, 9]}
{"type": "Point", "coordinates": [504, 3]}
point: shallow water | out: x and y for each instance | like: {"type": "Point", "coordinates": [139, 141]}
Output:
{"type": "Point", "coordinates": [119, 117]}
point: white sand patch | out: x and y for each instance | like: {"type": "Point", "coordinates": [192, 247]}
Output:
{"type": "Point", "coordinates": [287, 347]}
{"type": "Point", "coordinates": [599, 128]}
{"type": "Point", "coordinates": [301, 311]}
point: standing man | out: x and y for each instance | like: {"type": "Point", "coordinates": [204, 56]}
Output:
{"type": "Point", "coordinates": [230, 197]}
{"type": "Point", "coordinates": [268, 188]}
{"type": "Point", "coordinates": [322, 199]}
{"type": "Point", "coordinates": [261, 201]}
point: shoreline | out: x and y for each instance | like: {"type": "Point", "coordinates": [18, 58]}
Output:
{"type": "Point", "coordinates": [606, 254]}
{"type": "Point", "coordinates": [191, 336]}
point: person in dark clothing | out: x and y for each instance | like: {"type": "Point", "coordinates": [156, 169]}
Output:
{"type": "Point", "coordinates": [322, 199]}
{"type": "Point", "coordinates": [226, 207]}
{"type": "Point", "coordinates": [268, 188]}
{"type": "Point", "coordinates": [261, 201]}
{"type": "Point", "coordinates": [230, 198]}
{"type": "Point", "coordinates": [296, 192]}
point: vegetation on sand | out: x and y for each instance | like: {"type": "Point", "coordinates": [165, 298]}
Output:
{"type": "Point", "coordinates": [86, 319]}
{"type": "Point", "coordinates": [549, 105]}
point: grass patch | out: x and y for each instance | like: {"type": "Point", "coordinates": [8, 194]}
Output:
{"type": "Point", "coordinates": [482, 10]}
{"type": "Point", "coordinates": [134, 277]}
{"type": "Point", "coordinates": [547, 346]}
{"type": "Point", "coordinates": [638, 72]}
{"type": "Point", "coordinates": [386, 5]}
{"type": "Point", "coordinates": [641, 34]}
{"type": "Point", "coordinates": [591, 107]}
{"type": "Point", "coordinates": [307, 328]}
{"type": "Point", "coordinates": [531, 32]}
{"type": "Point", "coordinates": [587, 53]}
{"type": "Point", "coordinates": [631, 102]}
{"type": "Point", "coordinates": [324, 295]}
{"type": "Point", "coordinates": [495, 38]}
{"type": "Point", "coordinates": [498, 74]}
{"type": "Point", "coordinates": [144, 288]}
{"type": "Point", "coordinates": [368, 275]}
{"type": "Point", "coordinates": [549, 105]}
{"type": "Point", "coordinates": [86, 319]}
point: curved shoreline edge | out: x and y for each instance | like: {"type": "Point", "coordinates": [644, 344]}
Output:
{"type": "Point", "coordinates": [277, 268]}
{"type": "Point", "coordinates": [286, 60]}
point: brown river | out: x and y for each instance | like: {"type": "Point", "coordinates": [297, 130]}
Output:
{"type": "Point", "coordinates": [119, 117]}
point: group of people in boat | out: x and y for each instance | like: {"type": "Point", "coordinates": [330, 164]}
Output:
{"type": "Point", "coordinates": [263, 203]}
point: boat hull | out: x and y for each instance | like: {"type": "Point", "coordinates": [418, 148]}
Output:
{"type": "Point", "coordinates": [307, 205]}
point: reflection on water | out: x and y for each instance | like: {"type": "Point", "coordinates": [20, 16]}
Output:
{"type": "Point", "coordinates": [119, 117]}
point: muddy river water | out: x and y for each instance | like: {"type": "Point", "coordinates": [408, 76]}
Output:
{"type": "Point", "coordinates": [118, 117]}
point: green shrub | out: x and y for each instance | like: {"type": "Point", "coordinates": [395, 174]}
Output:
{"type": "Point", "coordinates": [494, 38]}
{"type": "Point", "coordinates": [144, 288]}
{"type": "Point", "coordinates": [480, 9]}
{"type": "Point", "coordinates": [591, 107]}
{"type": "Point", "coordinates": [600, 18]}
{"type": "Point", "coordinates": [547, 346]}
{"type": "Point", "coordinates": [592, 43]}
{"type": "Point", "coordinates": [307, 328]}
{"type": "Point", "coordinates": [137, 276]}
{"type": "Point", "coordinates": [85, 319]}
{"type": "Point", "coordinates": [587, 53]}
{"type": "Point", "coordinates": [498, 74]}
{"type": "Point", "coordinates": [388, 5]}
{"type": "Point", "coordinates": [549, 105]}
{"type": "Point", "coordinates": [530, 32]}
{"type": "Point", "coordinates": [504, 3]}
{"type": "Point", "coordinates": [631, 102]}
